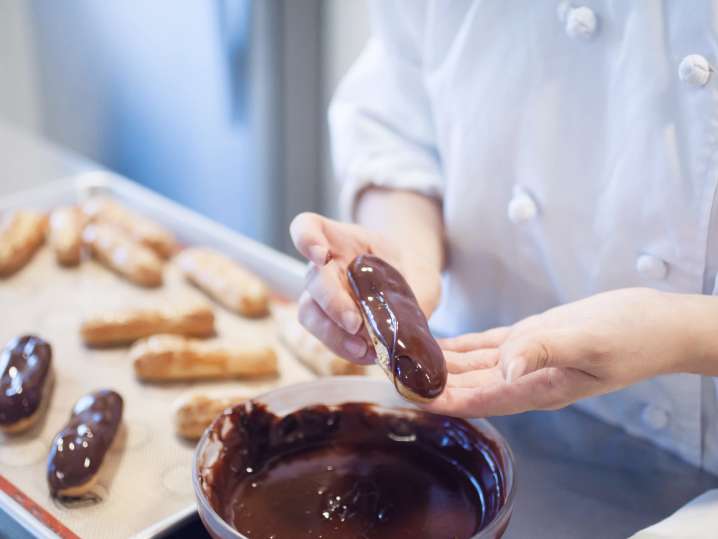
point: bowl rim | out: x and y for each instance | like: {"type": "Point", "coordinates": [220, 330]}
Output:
{"type": "Point", "coordinates": [486, 427]}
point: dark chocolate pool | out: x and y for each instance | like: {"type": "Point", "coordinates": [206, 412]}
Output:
{"type": "Point", "coordinates": [352, 470]}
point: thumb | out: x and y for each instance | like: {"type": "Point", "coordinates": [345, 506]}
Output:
{"type": "Point", "coordinates": [307, 232]}
{"type": "Point", "coordinates": [521, 356]}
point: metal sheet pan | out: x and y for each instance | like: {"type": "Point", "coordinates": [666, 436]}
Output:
{"type": "Point", "coordinates": [145, 484]}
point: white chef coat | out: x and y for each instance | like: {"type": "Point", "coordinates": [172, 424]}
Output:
{"type": "Point", "coordinates": [575, 148]}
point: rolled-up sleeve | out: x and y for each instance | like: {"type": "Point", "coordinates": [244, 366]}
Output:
{"type": "Point", "coordinates": [380, 119]}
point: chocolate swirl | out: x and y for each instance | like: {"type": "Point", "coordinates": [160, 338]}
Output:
{"type": "Point", "coordinates": [79, 448]}
{"type": "Point", "coordinates": [24, 370]}
{"type": "Point", "coordinates": [394, 319]}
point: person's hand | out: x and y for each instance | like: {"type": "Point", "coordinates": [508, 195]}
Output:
{"type": "Point", "coordinates": [326, 307]}
{"type": "Point", "coordinates": [593, 346]}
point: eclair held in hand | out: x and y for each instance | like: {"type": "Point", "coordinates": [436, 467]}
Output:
{"type": "Point", "coordinates": [399, 331]}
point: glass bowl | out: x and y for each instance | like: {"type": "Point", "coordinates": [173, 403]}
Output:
{"type": "Point", "coordinates": [333, 391]}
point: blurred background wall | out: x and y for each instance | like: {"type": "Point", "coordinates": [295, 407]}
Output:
{"type": "Point", "coordinates": [219, 104]}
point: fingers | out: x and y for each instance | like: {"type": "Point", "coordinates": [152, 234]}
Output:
{"type": "Point", "coordinates": [328, 288]}
{"type": "Point", "coordinates": [351, 347]}
{"type": "Point", "coordinates": [473, 351]}
{"type": "Point", "coordinates": [485, 393]}
{"type": "Point", "coordinates": [457, 363]}
{"type": "Point", "coordinates": [525, 355]}
{"type": "Point", "coordinates": [478, 402]}
{"type": "Point", "coordinates": [326, 282]}
{"type": "Point", "coordinates": [491, 338]}
{"type": "Point", "coordinates": [307, 232]}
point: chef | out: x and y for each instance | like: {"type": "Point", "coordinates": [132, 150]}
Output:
{"type": "Point", "coordinates": [558, 162]}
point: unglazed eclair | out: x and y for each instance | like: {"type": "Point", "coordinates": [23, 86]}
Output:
{"type": "Point", "coordinates": [399, 331]}
{"type": "Point", "coordinates": [163, 358]}
{"type": "Point", "coordinates": [194, 413]}
{"type": "Point", "coordinates": [101, 209]}
{"type": "Point", "coordinates": [22, 232]}
{"type": "Point", "coordinates": [112, 247]}
{"type": "Point", "coordinates": [128, 325]}
{"type": "Point", "coordinates": [65, 234]}
{"type": "Point", "coordinates": [225, 281]}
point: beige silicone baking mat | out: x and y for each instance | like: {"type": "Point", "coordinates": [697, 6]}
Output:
{"type": "Point", "coordinates": [146, 477]}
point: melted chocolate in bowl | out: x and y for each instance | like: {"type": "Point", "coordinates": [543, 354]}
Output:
{"type": "Point", "coordinates": [352, 470]}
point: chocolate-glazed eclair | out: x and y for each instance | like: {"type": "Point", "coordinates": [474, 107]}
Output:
{"type": "Point", "coordinates": [399, 331]}
{"type": "Point", "coordinates": [79, 449]}
{"type": "Point", "coordinates": [25, 380]}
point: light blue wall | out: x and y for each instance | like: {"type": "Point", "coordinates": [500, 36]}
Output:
{"type": "Point", "coordinates": [155, 90]}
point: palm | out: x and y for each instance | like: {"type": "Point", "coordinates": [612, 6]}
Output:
{"type": "Point", "coordinates": [476, 386]}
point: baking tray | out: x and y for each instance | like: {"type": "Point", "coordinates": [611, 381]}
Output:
{"type": "Point", "coordinates": [145, 483]}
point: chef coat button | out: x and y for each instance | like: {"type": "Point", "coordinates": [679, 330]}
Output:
{"type": "Point", "coordinates": [654, 417]}
{"type": "Point", "coordinates": [581, 22]}
{"type": "Point", "coordinates": [522, 207]}
{"type": "Point", "coordinates": [695, 69]}
{"type": "Point", "coordinates": [651, 267]}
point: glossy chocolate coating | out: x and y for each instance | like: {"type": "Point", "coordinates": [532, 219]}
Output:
{"type": "Point", "coordinates": [351, 471]}
{"type": "Point", "coordinates": [24, 368]}
{"type": "Point", "coordinates": [394, 317]}
{"type": "Point", "coordinates": [79, 448]}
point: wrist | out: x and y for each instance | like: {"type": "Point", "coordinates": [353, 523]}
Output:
{"type": "Point", "coordinates": [696, 318]}
{"type": "Point", "coordinates": [424, 278]}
